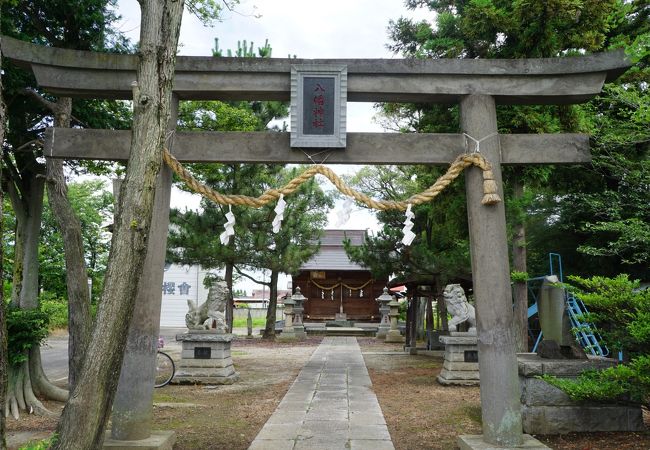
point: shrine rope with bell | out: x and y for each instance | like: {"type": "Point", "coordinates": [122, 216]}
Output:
{"type": "Point", "coordinates": [490, 196]}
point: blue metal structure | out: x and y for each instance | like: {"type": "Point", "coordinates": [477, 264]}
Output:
{"type": "Point", "coordinates": [586, 333]}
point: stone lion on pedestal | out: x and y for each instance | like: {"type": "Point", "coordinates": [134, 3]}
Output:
{"type": "Point", "coordinates": [460, 310]}
{"type": "Point", "coordinates": [211, 314]}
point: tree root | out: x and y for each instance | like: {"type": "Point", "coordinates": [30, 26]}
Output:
{"type": "Point", "coordinates": [41, 384]}
{"type": "Point", "coordinates": [20, 390]}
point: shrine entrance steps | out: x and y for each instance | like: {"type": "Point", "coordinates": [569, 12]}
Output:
{"type": "Point", "coordinates": [329, 406]}
{"type": "Point", "coordinates": [355, 329]}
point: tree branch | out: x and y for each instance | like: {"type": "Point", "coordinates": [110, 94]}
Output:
{"type": "Point", "coordinates": [250, 277]}
{"type": "Point", "coordinates": [40, 99]}
{"type": "Point", "coordinates": [50, 105]}
{"type": "Point", "coordinates": [27, 144]}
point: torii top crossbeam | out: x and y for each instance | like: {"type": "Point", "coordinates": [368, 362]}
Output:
{"type": "Point", "coordinates": [521, 81]}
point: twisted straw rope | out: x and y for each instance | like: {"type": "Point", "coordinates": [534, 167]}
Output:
{"type": "Point", "coordinates": [334, 286]}
{"type": "Point", "coordinates": [463, 161]}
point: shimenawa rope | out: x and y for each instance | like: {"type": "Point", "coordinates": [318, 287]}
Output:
{"type": "Point", "coordinates": [490, 196]}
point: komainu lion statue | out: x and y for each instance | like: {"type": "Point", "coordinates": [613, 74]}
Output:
{"type": "Point", "coordinates": [460, 310]}
{"type": "Point", "coordinates": [211, 314]}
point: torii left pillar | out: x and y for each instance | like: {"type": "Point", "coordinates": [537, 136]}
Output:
{"type": "Point", "coordinates": [133, 406]}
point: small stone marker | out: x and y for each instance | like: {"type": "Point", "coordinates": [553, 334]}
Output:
{"type": "Point", "coordinates": [249, 325]}
{"type": "Point", "coordinates": [558, 341]}
{"type": "Point", "coordinates": [298, 310]}
{"type": "Point", "coordinates": [393, 334]}
{"type": "Point", "coordinates": [384, 326]}
{"type": "Point", "coordinates": [288, 332]}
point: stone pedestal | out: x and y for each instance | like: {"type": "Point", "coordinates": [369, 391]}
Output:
{"type": "Point", "coordinates": [205, 359]}
{"type": "Point", "coordinates": [394, 336]}
{"type": "Point", "coordinates": [460, 365]}
{"type": "Point", "coordinates": [476, 442]}
{"type": "Point", "coordinates": [159, 440]}
{"type": "Point", "coordinates": [548, 410]}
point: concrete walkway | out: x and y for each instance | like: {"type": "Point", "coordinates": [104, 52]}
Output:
{"type": "Point", "coordinates": [330, 405]}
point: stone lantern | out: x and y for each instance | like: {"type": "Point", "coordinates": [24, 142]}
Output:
{"type": "Point", "coordinates": [288, 332]}
{"type": "Point", "coordinates": [384, 325]}
{"type": "Point", "coordinates": [298, 325]}
{"type": "Point", "coordinates": [393, 334]}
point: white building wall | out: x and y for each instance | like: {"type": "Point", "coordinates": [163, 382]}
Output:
{"type": "Point", "coordinates": [180, 283]}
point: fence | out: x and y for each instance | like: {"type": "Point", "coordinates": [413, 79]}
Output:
{"type": "Point", "coordinates": [256, 313]}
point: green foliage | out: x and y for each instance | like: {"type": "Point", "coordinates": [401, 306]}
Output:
{"type": "Point", "coordinates": [243, 51]}
{"type": "Point", "coordinates": [440, 251]}
{"type": "Point", "coordinates": [619, 309]}
{"type": "Point", "coordinates": [210, 12]}
{"type": "Point", "coordinates": [518, 277]}
{"type": "Point", "coordinates": [625, 382]}
{"type": "Point", "coordinates": [597, 217]}
{"type": "Point", "coordinates": [25, 329]}
{"type": "Point", "coordinates": [40, 445]}
{"type": "Point", "coordinates": [56, 310]}
{"type": "Point", "coordinates": [93, 205]}
{"type": "Point", "coordinates": [402, 309]}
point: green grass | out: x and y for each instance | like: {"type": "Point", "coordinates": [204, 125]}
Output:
{"type": "Point", "coordinates": [40, 445]}
{"type": "Point", "coordinates": [258, 322]}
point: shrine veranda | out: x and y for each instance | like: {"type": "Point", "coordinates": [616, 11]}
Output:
{"type": "Point", "coordinates": [476, 85]}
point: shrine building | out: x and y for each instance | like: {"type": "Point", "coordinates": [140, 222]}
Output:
{"type": "Point", "coordinates": [335, 286]}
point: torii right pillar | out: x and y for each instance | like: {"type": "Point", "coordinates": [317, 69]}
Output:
{"type": "Point", "coordinates": [500, 390]}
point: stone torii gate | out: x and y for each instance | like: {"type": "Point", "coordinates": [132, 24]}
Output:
{"type": "Point", "coordinates": [477, 85]}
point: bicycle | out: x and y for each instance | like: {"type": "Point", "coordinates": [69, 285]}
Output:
{"type": "Point", "coordinates": [165, 368]}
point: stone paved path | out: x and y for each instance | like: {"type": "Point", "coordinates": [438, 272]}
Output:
{"type": "Point", "coordinates": [330, 405]}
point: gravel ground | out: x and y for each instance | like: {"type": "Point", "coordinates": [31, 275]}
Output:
{"type": "Point", "coordinates": [420, 413]}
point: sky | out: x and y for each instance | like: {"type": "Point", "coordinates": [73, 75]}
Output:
{"type": "Point", "coordinates": [307, 29]}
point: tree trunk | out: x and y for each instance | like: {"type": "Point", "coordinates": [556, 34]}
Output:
{"type": "Point", "coordinates": [19, 240]}
{"type": "Point", "coordinates": [28, 298]}
{"type": "Point", "coordinates": [79, 317]}
{"type": "Point", "coordinates": [429, 322]}
{"type": "Point", "coordinates": [269, 326]}
{"type": "Point", "coordinates": [441, 306]}
{"type": "Point", "coordinates": [41, 385]}
{"type": "Point", "coordinates": [3, 318]}
{"type": "Point", "coordinates": [421, 317]}
{"type": "Point", "coordinates": [27, 204]}
{"type": "Point", "coordinates": [520, 290]}
{"type": "Point", "coordinates": [229, 303]}
{"type": "Point", "coordinates": [87, 411]}
{"type": "Point", "coordinates": [27, 379]}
